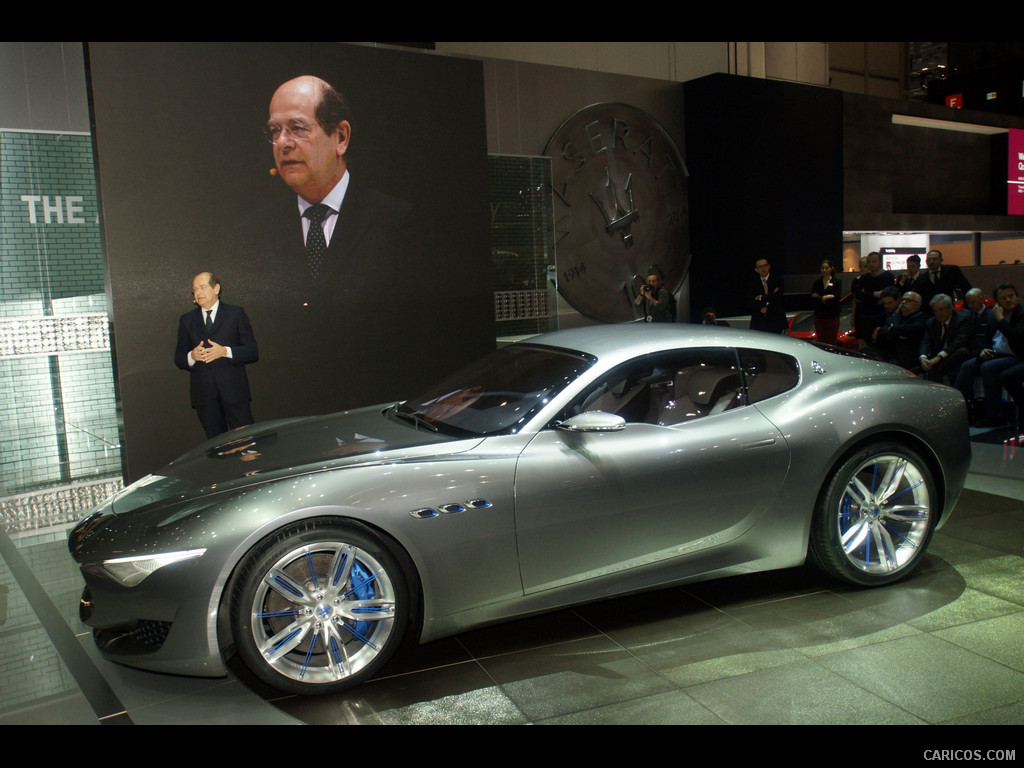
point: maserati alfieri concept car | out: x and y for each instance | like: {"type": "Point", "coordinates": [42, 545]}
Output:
{"type": "Point", "coordinates": [568, 468]}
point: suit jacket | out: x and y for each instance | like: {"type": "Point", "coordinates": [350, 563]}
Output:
{"type": "Point", "coordinates": [1012, 327]}
{"type": "Point", "coordinates": [369, 239]}
{"type": "Point", "coordinates": [907, 283]}
{"type": "Point", "coordinates": [960, 335]}
{"type": "Point", "coordinates": [830, 308]}
{"type": "Point", "coordinates": [951, 280]}
{"type": "Point", "coordinates": [332, 343]}
{"type": "Point", "coordinates": [225, 377]}
{"type": "Point", "coordinates": [864, 289]}
{"type": "Point", "coordinates": [900, 339]}
{"type": "Point", "coordinates": [774, 319]}
{"type": "Point", "coordinates": [984, 328]}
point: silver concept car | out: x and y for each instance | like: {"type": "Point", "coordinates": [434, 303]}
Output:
{"type": "Point", "coordinates": [568, 468]}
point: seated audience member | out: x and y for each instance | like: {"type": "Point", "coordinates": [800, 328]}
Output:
{"type": "Point", "coordinates": [984, 322]}
{"type": "Point", "coordinates": [1009, 316]}
{"type": "Point", "coordinates": [890, 301]}
{"type": "Point", "coordinates": [948, 340]}
{"type": "Point", "coordinates": [995, 355]}
{"type": "Point", "coordinates": [899, 340]}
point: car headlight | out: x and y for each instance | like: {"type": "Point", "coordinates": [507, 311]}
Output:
{"type": "Point", "coordinates": [130, 571]}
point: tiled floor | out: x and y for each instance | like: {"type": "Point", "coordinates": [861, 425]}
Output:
{"type": "Point", "coordinates": [785, 647]}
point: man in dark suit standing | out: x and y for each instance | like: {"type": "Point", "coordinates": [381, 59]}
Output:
{"type": "Point", "coordinates": [215, 343]}
{"type": "Point", "coordinates": [867, 294]}
{"type": "Point", "coordinates": [941, 278]}
{"type": "Point", "coordinates": [767, 302]}
{"type": "Point", "coordinates": [948, 340]}
{"type": "Point", "coordinates": [908, 280]}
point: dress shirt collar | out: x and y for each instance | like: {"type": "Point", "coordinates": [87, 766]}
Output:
{"type": "Point", "coordinates": [333, 200]}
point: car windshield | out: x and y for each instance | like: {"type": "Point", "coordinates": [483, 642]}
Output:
{"type": "Point", "coordinates": [497, 394]}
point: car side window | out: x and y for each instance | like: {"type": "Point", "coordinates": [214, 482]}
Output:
{"type": "Point", "coordinates": [768, 373]}
{"type": "Point", "coordinates": [666, 388]}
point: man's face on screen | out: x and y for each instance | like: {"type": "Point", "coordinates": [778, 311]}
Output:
{"type": "Point", "coordinates": [308, 159]}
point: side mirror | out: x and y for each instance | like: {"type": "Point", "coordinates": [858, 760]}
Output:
{"type": "Point", "coordinates": [594, 421]}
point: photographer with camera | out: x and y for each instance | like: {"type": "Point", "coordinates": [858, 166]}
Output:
{"type": "Point", "coordinates": [656, 300]}
{"type": "Point", "coordinates": [710, 317]}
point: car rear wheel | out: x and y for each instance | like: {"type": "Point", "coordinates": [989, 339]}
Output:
{"type": "Point", "coordinates": [320, 607]}
{"type": "Point", "coordinates": [876, 517]}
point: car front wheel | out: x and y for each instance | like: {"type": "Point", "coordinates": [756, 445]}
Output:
{"type": "Point", "coordinates": [876, 516]}
{"type": "Point", "coordinates": [320, 607]}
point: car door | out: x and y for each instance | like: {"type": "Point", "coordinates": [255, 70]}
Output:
{"type": "Point", "coordinates": [693, 467]}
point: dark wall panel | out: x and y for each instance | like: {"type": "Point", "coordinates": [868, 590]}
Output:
{"type": "Point", "coordinates": [765, 180]}
{"type": "Point", "coordinates": [901, 177]}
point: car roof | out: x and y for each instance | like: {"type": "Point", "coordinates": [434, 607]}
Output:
{"type": "Point", "coordinates": [629, 339]}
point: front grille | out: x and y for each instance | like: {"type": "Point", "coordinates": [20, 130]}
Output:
{"type": "Point", "coordinates": [151, 634]}
{"type": "Point", "coordinates": [145, 637]}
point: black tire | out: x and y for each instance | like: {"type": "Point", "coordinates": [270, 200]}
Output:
{"type": "Point", "coordinates": [876, 516]}
{"type": "Point", "coordinates": [321, 606]}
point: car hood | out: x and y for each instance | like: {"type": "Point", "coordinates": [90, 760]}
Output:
{"type": "Point", "coordinates": [275, 449]}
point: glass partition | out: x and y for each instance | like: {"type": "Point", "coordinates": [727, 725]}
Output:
{"type": "Point", "coordinates": [58, 414]}
{"type": "Point", "coordinates": [522, 245]}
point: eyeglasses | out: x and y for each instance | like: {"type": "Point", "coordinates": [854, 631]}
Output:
{"type": "Point", "coordinates": [295, 129]}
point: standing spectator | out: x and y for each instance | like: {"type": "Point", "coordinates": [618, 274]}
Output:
{"type": "Point", "coordinates": [826, 295]}
{"type": "Point", "coordinates": [867, 291]}
{"type": "Point", "coordinates": [768, 308]}
{"type": "Point", "coordinates": [941, 278]}
{"type": "Point", "coordinates": [909, 278]}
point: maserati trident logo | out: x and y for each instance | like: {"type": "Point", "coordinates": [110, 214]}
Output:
{"type": "Point", "coordinates": [620, 202]}
{"type": "Point", "coordinates": [617, 215]}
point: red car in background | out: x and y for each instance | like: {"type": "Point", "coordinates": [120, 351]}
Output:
{"type": "Point", "coordinates": [801, 325]}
